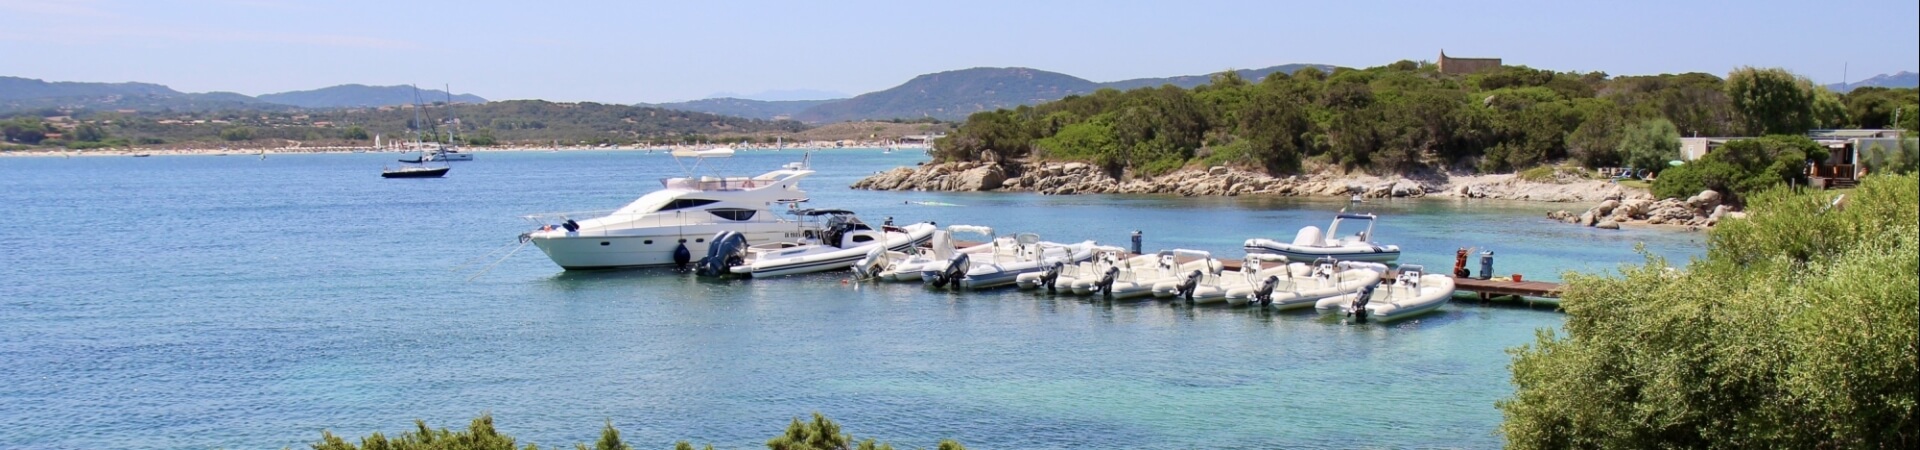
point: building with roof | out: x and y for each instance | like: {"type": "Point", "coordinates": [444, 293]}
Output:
{"type": "Point", "coordinates": [1461, 66]}
{"type": "Point", "coordinates": [1848, 153]}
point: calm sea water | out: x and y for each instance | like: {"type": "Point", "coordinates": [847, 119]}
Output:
{"type": "Point", "coordinates": [201, 302]}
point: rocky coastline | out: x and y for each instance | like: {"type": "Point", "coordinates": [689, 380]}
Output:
{"type": "Point", "coordinates": [1068, 178]}
{"type": "Point", "coordinates": [1699, 211]}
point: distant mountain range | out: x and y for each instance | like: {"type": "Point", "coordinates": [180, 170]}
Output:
{"type": "Point", "coordinates": [951, 95]}
{"type": "Point", "coordinates": [25, 93]}
{"type": "Point", "coordinates": [363, 96]}
{"type": "Point", "coordinates": [1904, 79]}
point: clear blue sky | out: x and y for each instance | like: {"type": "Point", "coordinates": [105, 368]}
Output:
{"type": "Point", "coordinates": [633, 51]}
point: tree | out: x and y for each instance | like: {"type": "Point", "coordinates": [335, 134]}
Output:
{"type": "Point", "coordinates": [1773, 101]}
{"type": "Point", "coordinates": [1797, 330]}
{"type": "Point", "coordinates": [1650, 145]}
{"type": "Point", "coordinates": [1742, 167]}
{"type": "Point", "coordinates": [237, 134]}
{"type": "Point", "coordinates": [355, 133]}
{"type": "Point", "coordinates": [89, 132]}
{"type": "Point", "coordinates": [25, 130]}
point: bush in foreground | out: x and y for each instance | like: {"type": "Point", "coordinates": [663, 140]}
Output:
{"type": "Point", "coordinates": [1796, 331]}
{"type": "Point", "coordinates": [819, 434]}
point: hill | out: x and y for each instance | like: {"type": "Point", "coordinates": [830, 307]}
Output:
{"type": "Point", "coordinates": [953, 95]}
{"type": "Point", "coordinates": [1189, 81]}
{"type": "Point", "coordinates": [1904, 79]}
{"type": "Point", "coordinates": [363, 96]}
{"type": "Point", "coordinates": [740, 107]}
{"type": "Point", "coordinates": [19, 94]}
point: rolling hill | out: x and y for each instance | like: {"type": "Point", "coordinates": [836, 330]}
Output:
{"type": "Point", "coordinates": [17, 94]}
{"type": "Point", "coordinates": [748, 108]}
{"type": "Point", "coordinates": [950, 95]}
{"type": "Point", "coordinates": [953, 95]}
{"type": "Point", "coordinates": [362, 96]}
{"type": "Point", "coordinates": [1904, 79]}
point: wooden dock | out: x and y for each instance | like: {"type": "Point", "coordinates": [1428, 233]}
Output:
{"type": "Point", "coordinates": [1488, 289]}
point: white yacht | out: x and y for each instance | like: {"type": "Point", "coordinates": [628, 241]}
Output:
{"type": "Point", "coordinates": [1310, 243]}
{"type": "Point", "coordinates": [672, 225]}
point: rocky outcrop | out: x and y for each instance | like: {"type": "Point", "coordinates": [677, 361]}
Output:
{"type": "Point", "coordinates": [1699, 211]}
{"type": "Point", "coordinates": [1056, 178]}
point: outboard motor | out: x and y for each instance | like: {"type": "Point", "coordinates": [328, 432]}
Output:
{"type": "Point", "coordinates": [1264, 294]}
{"type": "Point", "coordinates": [956, 269]}
{"type": "Point", "coordinates": [1187, 287]}
{"type": "Point", "coordinates": [682, 256]}
{"type": "Point", "coordinates": [725, 250]}
{"type": "Point", "coordinates": [1359, 307]}
{"type": "Point", "coordinates": [1052, 275]}
{"type": "Point", "coordinates": [1106, 282]}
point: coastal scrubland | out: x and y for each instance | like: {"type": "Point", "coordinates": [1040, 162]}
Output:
{"type": "Point", "coordinates": [819, 433]}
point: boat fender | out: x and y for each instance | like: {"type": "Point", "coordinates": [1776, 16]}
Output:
{"type": "Point", "coordinates": [1106, 281]}
{"type": "Point", "coordinates": [1192, 282]}
{"type": "Point", "coordinates": [1052, 275]}
{"type": "Point", "coordinates": [682, 256]}
{"type": "Point", "coordinates": [570, 225]}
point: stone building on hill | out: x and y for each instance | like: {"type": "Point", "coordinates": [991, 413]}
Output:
{"type": "Point", "coordinates": [1457, 66]}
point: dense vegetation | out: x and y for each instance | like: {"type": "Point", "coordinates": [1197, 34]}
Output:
{"type": "Point", "coordinates": [818, 434]}
{"type": "Point", "coordinates": [1742, 167]}
{"type": "Point", "coordinates": [1407, 116]}
{"type": "Point", "coordinates": [527, 121]}
{"type": "Point", "coordinates": [1797, 330]}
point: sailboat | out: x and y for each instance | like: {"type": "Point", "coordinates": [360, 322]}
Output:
{"type": "Point", "coordinates": [422, 170]}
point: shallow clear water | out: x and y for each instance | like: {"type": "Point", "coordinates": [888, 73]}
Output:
{"type": "Point", "coordinates": [196, 302]}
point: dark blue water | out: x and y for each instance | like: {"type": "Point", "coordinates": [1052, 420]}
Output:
{"type": "Point", "coordinates": [197, 302]}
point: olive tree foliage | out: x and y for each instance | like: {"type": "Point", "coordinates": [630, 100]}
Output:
{"type": "Point", "coordinates": [1797, 330]}
{"type": "Point", "coordinates": [1650, 144]}
{"type": "Point", "coordinates": [1775, 101]}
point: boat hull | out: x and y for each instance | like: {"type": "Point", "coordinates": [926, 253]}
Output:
{"type": "Point", "coordinates": [425, 173]}
{"type": "Point", "coordinates": [650, 247]}
{"type": "Point", "coordinates": [1370, 253]}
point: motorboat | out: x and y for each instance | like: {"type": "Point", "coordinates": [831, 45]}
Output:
{"type": "Point", "coordinates": [1065, 276]}
{"type": "Point", "coordinates": [835, 245]}
{"type": "Point", "coordinates": [1202, 287]}
{"type": "Point", "coordinates": [1137, 276]}
{"type": "Point", "coordinates": [672, 225]}
{"type": "Point", "coordinates": [888, 265]}
{"type": "Point", "coordinates": [1412, 293]}
{"type": "Point", "coordinates": [415, 172]}
{"type": "Point", "coordinates": [1302, 285]}
{"type": "Point", "coordinates": [1310, 243]}
{"type": "Point", "coordinates": [1009, 258]}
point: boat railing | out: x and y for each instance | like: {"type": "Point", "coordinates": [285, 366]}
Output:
{"type": "Point", "coordinates": [649, 219]}
{"type": "Point", "coordinates": [716, 184]}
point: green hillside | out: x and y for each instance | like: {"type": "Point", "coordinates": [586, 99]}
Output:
{"type": "Point", "coordinates": [953, 95]}
{"type": "Point", "coordinates": [363, 96]}
{"type": "Point", "coordinates": [748, 108]}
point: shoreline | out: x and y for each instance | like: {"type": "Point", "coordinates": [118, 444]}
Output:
{"type": "Point", "coordinates": [1055, 178]}
{"type": "Point", "coordinates": [194, 151]}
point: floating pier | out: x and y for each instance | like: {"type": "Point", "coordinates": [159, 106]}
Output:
{"type": "Point", "coordinates": [1488, 288]}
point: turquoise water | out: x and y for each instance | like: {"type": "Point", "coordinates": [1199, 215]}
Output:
{"type": "Point", "coordinates": [198, 302]}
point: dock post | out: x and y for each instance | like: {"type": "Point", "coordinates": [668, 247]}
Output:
{"type": "Point", "coordinates": [1136, 242]}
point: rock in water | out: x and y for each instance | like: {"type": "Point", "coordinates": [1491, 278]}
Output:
{"type": "Point", "coordinates": [1608, 225]}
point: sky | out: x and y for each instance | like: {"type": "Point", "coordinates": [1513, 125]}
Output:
{"type": "Point", "coordinates": [661, 51]}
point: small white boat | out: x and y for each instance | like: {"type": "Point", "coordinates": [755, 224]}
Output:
{"type": "Point", "coordinates": [1310, 243]}
{"type": "Point", "coordinates": [843, 240]}
{"type": "Point", "coordinates": [1303, 285]}
{"type": "Point", "coordinates": [1008, 260]}
{"type": "Point", "coordinates": [889, 265]}
{"type": "Point", "coordinates": [1137, 276]}
{"type": "Point", "coordinates": [1064, 275]}
{"type": "Point", "coordinates": [1413, 292]}
{"type": "Point", "coordinates": [1202, 288]}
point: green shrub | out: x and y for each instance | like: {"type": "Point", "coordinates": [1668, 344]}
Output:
{"type": "Point", "coordinates": [820, 433]}
{"type": "Point", "coordinates": [1742, 167]}
{"type": "Point", "coordinates": [1540, 174]}
{"type": "Point", "coordinates": [1797, 330]}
